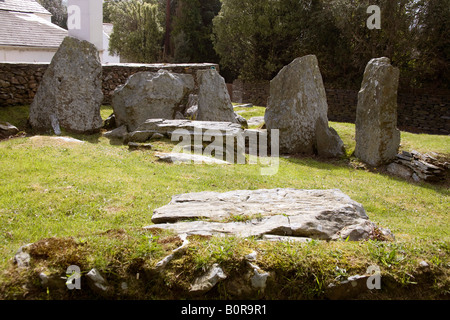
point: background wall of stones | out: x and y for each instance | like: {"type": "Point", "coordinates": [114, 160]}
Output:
{"type": "Point", "coordinates": [19, 81]}
{"type": "Point", "coordinates": [425, 111]}
{"type": "Point", "coordinates": [418, 111]}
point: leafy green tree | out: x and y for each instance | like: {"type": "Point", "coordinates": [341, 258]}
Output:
{"type": "Point", "coordinates": [255, 39]}
{"type": "Point", "coordinates": [108, 6]}
{"type": "Point", "coordinates": [138, 32]}
{"type": "Point", "coordinates": [192, 30]}
{"type": "Point", "coordinates": [433, 43]}
{"type": "Point", "coordinates": [394, 40]}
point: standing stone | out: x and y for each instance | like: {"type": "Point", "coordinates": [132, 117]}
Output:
{"type": "Point", "coordinates": [214, 102]}
{"type": "Point", "coordinates": [377, 136]}
{"type": "Point", "coordinates": [151, 95]}
{"type": "Point", "coordinates": [297, 101]}
{"type": "Point", "coordinates": [70, 93]}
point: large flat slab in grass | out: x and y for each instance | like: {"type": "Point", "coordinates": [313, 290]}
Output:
{"type": "Point", "coordinates": [318, 214]}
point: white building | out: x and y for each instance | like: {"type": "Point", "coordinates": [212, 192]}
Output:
{"type": "Point", "coordinates": [107, 58]}
{"type": "Point", "coordinates": [26, 32]}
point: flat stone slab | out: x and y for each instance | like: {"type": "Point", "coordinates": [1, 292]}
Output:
{"type": "Point", "coordinates": [167, 127]}
{"type": "Point", "coordinates": [188, 158]}
{"type": "Point", "coordinates": [317, 214]}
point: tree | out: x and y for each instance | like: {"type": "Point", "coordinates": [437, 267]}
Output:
{"type": "Point", "coordinates": [255, 39]}
{"type": "Point", "coordinates": [192, 30]}
{"type": "Point", "coordinates": [58, 11]}
{"type": "Point", "coordinates": [137, 33]}
{"type": "Point", "coordinates": [433, 43]}
{"type": "Point", "coordinates": [108, 6]}
{"type": "Point", "coordinates": [394, 40]}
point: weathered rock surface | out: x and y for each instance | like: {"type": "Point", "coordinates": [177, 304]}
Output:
{"type": "Point", "coordinates": [417, 166]}
{"type": "Point", "coordinates": [377, 136]}
{"type": "Point", "coordinates": [328, 142]}
{"type": "Point", "coordinates": [117, 133]}
{"type": "Point", "coordinates": [70, 93]}
{"type": "Point", "coordinates": [151, 95]}
{"type": "Point", "coordinates": [206, 282]}
{"type": "Point", "coordinates": [214, 102]}
{"type": "Point", "coordinates": [166, 127]}
{"type": "Point", "coordinates": [297, 101]}
{"type": "Point", "coordinates": [318, 214]}
{"type": "Point", "coordinates": [188, 158]}
{"type": "Point", "coordinates": [255, 121]}
{"type": "Point", "coordinates": [7, 130]}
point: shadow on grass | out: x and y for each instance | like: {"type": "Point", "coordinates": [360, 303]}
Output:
{"type": "Point", "coordinates": [441, 186]}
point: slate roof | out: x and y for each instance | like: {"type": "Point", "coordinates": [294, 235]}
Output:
{"type": "Point", "coordinates": [29, 6]}
{"type": "Point", "coordinates": [18, 28]}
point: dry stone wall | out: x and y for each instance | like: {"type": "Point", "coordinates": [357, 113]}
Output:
{"type": "Point", "coordinates": [419, 110]}
{"type": "Point", "coordinates": [19, 81]}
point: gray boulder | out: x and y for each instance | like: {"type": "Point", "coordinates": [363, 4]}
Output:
{"type": "Point", "coordinates": [328, 142]}
{"type": "Point", "coordinates": [70, 93]}
{"type": "Point", "coordinates": [297, 101]}
{"type": "Point", "coordinates": [377, 136]}
{"type": "Point", "coordinates": [151, 95]}
{"type": "Point", "coordinates": [214, 102]}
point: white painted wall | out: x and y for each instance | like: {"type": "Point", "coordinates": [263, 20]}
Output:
{"type": "Point", "coordinates": [85, 21]}
{"type": "Point", "coordinates": [106, 57]}
{"type": "Point", "coordinates": [11, 54]}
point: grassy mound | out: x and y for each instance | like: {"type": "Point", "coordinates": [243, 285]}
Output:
{"type": "Point", "coordinates": [86, 205]}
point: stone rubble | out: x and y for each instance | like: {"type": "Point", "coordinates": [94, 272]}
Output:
{"type": "Point", "coordinates": [419, 167]}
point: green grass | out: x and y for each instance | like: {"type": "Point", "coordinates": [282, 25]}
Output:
{"type": "Point", "coordinates": [101, 195]}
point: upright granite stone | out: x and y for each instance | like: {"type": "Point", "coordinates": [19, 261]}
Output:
{"type": "Point", "coordinates": [214, 102]}
{"type": "Point", "coordinates": [151, 95]}
{"type": "Point", "coordinates": [296, 104]}
{"type": "Point", "coordinates": [377, 136]}
{"type": "Point", "coordinates": [70, 93]}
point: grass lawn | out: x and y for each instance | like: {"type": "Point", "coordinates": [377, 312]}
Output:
{"type": "Point", "coordinates": [86, 205]}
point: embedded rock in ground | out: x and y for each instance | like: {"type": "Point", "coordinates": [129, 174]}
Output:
{"type": "Point", "coordinates": [206, 282]}
{"type": "Point", "coordinates": [214, 102]}
{"type": "Point", "coordinates": [296, 103]}
{"type": "Point", "coordinates": [70, 93]}
{"type": "Point", "coordinates": [188, 158]}
{"type": "Point", "coordinates": [377, 136]}
{"type": "Point", "coordinates": [7, 130]}
{"type": "Point", "coordinates": [151, 95]}
{"type": "Point", "coordinates": [318, 214]}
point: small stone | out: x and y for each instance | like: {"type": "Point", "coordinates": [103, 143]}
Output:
{"type": "Point", "coordinates": [139, 146]}
{"type": "Point", "coordinates": [96, 282]}
{"type": "Point", "coordinates": [206, 282]}
{"type": "Point", "coordinates": [423, 264]}
{"type": "Point", "coordinates": [251, 256]}
{"type": "Point", "coordinates": [157, 136]}
{"type": "Point", "coordinates": [22, 258]}
{"type": "Point", "coordinates": [118, 133]}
